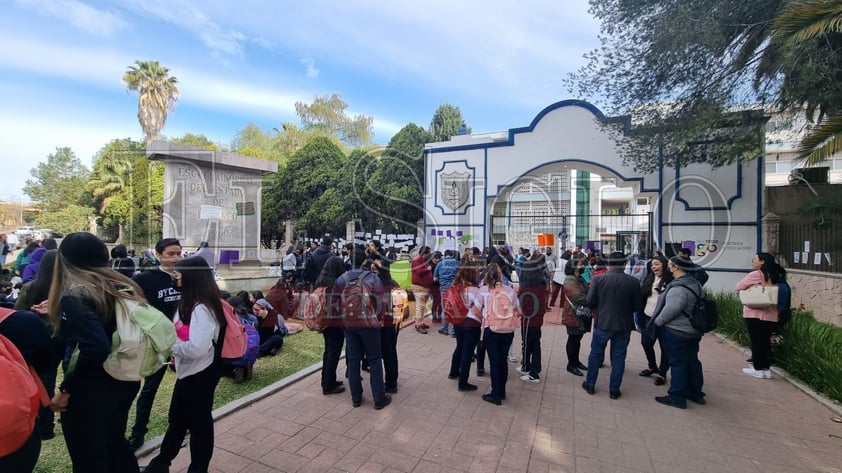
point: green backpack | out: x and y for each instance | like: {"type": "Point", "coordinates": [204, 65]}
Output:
{"type": "Point", "coordinates": [142, 342]}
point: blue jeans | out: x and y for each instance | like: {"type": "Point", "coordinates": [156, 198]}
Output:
{"type": "Point", "coordinates": [359, 341]}
{"type": "Point", "coordinates": [619, 345]}
{"type": "Point", "coordinates": [497, 345]}
{"type": "Point", "coordinates": [687, 378]}
{"type": "Point", "coordinates": [460, 362]}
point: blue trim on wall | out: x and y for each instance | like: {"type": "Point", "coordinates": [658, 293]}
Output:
{"type": "Point", "coordinates": [583, 161]}
{"type": "Point", "coordinates": [661, 196]}
{"type": "Point", "coordinates": [424, 210]}
{"type": "Point", "coordinates": [467, 225]}
{"type": "Point", "coordinates": [472, 179]}
{"type": "Point", "coordinates": [510, 140]}
{"type": "Point", "coordinates": [688, 207]}
{"type": "Point", "coordinates": [760, 182]}
{"type": "Point", "coordinates": [485, 215]}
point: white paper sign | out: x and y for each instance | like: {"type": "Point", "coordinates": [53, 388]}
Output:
{"type": "Point", "coordinates": [796, 257]}
{"type": "Point", "coordinates": [805, 257]}
{"type": "Point", "coordinates": [827, 257]}
{"type": "Point", "coordinates": [359, 234]}
{"type": "Point", "coordinates": [806, 246]}
{"type": "Point", "coordinates": [210, 212]}
{"type": "Point", "coordinates": [817, 258]}
{"type": "Point", "coordinates": [378, 232]}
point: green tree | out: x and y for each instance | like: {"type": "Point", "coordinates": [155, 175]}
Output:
{"type": "Point", "coordinates": [390, 184]}
{"type": "Point", "coordinates": [58, 182]}
{"type": "Point", "coordinates": [68, 219]}
{"type": "Point", "coordinates": [144, 203]}
{"type": "Point", "coordinates": [682, 69]}
{"type": "Point", "coordinates": [327, 116]}
{"type": "Point", "coordinates": [157, 95]}
{"type": "Point", "coordinates": [110, 178]}
{"type": "Point", "coordinates": [311, 189]}
{"type": "Point", "coordinates": [197, 141]}
{"type": "Point", "coordinates": [446, 122]}
{"type": "Point", "coordinates": [802, 23]}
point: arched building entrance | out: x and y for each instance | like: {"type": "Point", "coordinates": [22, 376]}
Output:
{"type": "Point", "coordinates": [562, 175]}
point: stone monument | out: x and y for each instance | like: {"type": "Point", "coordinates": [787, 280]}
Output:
{"type": "Point", "coordinates": [212, 196]}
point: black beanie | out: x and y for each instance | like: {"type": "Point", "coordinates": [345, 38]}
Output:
{"type": "Point", "coordinates": [84, 249]}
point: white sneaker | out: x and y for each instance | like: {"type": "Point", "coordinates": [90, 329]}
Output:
{"type": "Point", "coordinates": [767, 374]}
{"type": "Point", "coordinates": [511, 359]}
{"type": "Point", "coordinates": [529, 378]}
{"type": "Point", "coordinates": [520, 370]}
{"type": "Point", "coordinates": [756, 373]}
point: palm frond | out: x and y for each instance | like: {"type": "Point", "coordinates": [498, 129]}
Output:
{"type": "Point", "coordinates": [822, 142]}
{"type": "Point", "coordinates": [806, 20]}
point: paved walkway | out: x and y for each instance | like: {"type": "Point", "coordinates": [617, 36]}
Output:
{"type": "Point", "coordinates": [748, 425]}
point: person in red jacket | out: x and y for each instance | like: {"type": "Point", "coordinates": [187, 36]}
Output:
{"type": "Point", "coordinates": [422, 282]}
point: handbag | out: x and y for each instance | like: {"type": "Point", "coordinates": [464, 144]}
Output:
{"type": "Point", "coordinates": [760, 297]}
{"type": "Point", "coordinates": [584, 315]}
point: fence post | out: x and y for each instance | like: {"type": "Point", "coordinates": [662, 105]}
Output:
{"type": "Point", "coordinates": [771, 225]}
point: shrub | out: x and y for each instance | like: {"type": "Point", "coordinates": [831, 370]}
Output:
{"type": "Point", "coordinates": [811, 350]}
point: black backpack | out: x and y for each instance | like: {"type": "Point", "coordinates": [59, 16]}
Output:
{"type": "Point", "coordinates": [704, 317]}
{"type": "Point", "coordinates": [784, 303]}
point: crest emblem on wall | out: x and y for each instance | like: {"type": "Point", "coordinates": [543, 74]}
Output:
{"type": "Point", "coordinates": [455, 189]}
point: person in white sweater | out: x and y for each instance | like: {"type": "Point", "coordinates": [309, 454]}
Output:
{"type": "Point", "coordinates": [197, 367]}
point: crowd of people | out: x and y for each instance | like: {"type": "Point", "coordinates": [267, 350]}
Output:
{"type": "Point", "coordinates": [64, 315]}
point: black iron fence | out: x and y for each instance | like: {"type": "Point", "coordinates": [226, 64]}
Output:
{"type": "Point", "coordinates": [814, 246]}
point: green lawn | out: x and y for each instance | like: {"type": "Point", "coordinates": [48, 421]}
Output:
{"type": "Point", "coordinates": [300, 351]}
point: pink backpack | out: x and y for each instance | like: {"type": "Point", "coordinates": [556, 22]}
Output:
{"type": "Point", "coordinates": [500, 311]}
{"type": "Point", "coordinates": [235, 343]}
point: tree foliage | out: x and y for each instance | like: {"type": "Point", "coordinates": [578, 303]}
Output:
{"type": "Point", "coordinates": [68, 219]}
{"type": "Point", "coordinates": [390, 184]}
{"type": "Point", "coordinates": [327, 116]}
{"type": "Point", "coordinates": [157, 95]}
{"type": "Point", "coordinates": [682, 68]}
{"type": "Point", "coordinates": [198, 141]}
{"type": "Point", "coordinates": [446, 122]}
{"type": "Point", "coordinates": [314, 180]}
{"type": "Point", "coordinates": [58, 182]}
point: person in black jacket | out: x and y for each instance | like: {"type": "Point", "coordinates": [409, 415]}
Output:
{"type": "Point", "coordinates": [159, 287]}
{"type": "Point", "coordinates": [614, 296]}
{"type": "Point", "coordinates": [94, 406]}
{"type": "Point", "coordinates": [316, 261]}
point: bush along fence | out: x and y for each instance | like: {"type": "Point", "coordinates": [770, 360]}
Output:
{"type": "Point", "coordinates": [810, 351]}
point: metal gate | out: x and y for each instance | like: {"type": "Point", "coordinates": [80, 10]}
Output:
{"type": "Point", "coordinates": [605, 233]}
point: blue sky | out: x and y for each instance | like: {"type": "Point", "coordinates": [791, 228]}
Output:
{"type": "Point", "coordinates": [249, 61]}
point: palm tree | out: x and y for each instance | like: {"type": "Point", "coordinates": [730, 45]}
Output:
{"type": "Point", "coordinates": [158, 95]}
{"type": "Point", "coordinates": [802, 22]}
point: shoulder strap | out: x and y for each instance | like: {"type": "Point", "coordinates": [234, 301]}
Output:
{"type": "Point", "coordinates": [5, 313]}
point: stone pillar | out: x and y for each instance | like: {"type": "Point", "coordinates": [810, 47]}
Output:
{"type": "Point", "coordinates": [212, 196]}
{"type": "Point", "coordinates": [289, 238]}
{"type": "Point", "coordinates": [771, 225]}
{"type": "Point", "coordinates": [350, 229]}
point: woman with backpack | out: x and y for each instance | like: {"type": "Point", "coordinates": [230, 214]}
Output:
{"type": "Point", "coordinates": [497, 303]}
{"type": "Point", "coordinates": [468, 331]}
{"type": "Point", "coordinates": [197, 366]}
{"type": "Point", "coordinates": [761, 322]}
{"type": "Point", "coordinates": [94, 406]}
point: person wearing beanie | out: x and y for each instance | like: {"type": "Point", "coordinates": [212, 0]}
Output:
{"type": "Point", "coordinates": [94, 406]}
{"type": "Point", "coordinates": [680, 340]}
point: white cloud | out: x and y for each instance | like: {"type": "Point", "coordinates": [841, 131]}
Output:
{"type": "Point", "coordinates": [188, 16]}
{"type": "Point", "coordinates": [105, 67]}
{"type": "Point", "coordinates": [311, 66]}
{"type": "Point", "coordinates": [82, 16]}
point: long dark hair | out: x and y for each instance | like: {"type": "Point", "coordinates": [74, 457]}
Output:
{"type": "Point", "coordinates": [39, 288]}
{"type": "Point", "coordinates": [649, 279]}
{"type": "Point", "coordinates": [772, 271]}
{"type": "Point", "coordinates": [333, 268]}
{"type": "Point", "coordinates": [198, 286]}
